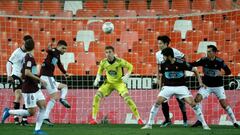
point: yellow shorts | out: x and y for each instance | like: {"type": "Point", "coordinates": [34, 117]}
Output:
{"type": "Point", "coordinates": [107, 88]}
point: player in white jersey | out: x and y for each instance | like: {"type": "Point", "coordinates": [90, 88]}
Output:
{"type": "Point", "coordinates": [163, 42]}
{"type": "Point", "coordinates": [14, 76]}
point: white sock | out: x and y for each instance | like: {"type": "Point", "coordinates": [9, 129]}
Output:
{"type": "Point", "coordinates": [39, 120]}
{"type": "Point", "coordinates": [231, 114]}
{"type": "Point", "coordinates": [19, 112]}
{"type": "Point", "coordinates": [49, 107]}
{"type": "Point", "coordinates": [64, 91]}
{"type": "Point", "coordinates": [199, 114]}
{"type": "Point", "coordinates": [153, 113]}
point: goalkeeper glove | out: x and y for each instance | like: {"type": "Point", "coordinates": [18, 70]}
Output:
{"type": "Point", "coordinates": [125, 78]}
{"type": "Point", "coordinates": [97, 80]}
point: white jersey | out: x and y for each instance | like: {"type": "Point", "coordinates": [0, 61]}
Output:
{"type": "Point", "coordinates": [177, 54]}
{"type": "Point", "coordinates": [16, 59]}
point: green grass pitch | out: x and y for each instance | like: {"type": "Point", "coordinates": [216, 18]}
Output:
{"type": "Point", "coordinates": [108, 129]}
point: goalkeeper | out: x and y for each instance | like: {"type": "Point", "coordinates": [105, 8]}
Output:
{"type": "Point", "coordinates": [115, 81]}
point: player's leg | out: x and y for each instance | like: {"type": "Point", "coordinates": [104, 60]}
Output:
{"type": "Point", "coordinates": [165, 110]}
{"type": "Point", "coordinates": [16, 104]}
{"type": "Point", "coordinates": [197, 111]}
{"type": "Point", "coordinates": [103, 91]}
{"type": "Point", "coordinates": [154, 111]}
{"type": "Point", "coordinates": [165, 93]}
{"type": "Point", "coordinates": [52, 91]}
{"type": "Point", "coordinates": [64, 90]}
{"type": "Point", "coordinates": [202, 93]}
{"type": "Point", "coordinates": [41, 103]}
{"type": "Point", "coordinates": [220, 93]}
{"type": "Point", "coordinates": [123, 91]}
{"type": "Point", "coordinates": [182, 106]}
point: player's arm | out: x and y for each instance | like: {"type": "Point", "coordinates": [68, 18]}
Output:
{"type": "Point", "coordinates": [226, 69]}
{"type": "Point", "coordinates": [197, 63]}
{"type": "Point", "coordinates": [60, 66]}
{"type": "Point", "coordinates": [160, 74]}
{"type": "Point", "coordinates": [11, 60]}
{"type": "Point", "coordinates": [129, 67]}
{"type": "Point", "coordinates": [99, 73]}
{"type": "Point", "coordinates": [29, 73]}
{"type": "Point", "coordinates": [195, 71]}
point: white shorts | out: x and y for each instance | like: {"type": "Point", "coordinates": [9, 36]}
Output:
{"type": "Point", "coordinates": [52, 85]}
{"type": "Point", "coordinates": [179, 91]}
{"type": "Point", "coordinates": [218, 91]}
{"type": "Point", "coordinates": [31, 99]}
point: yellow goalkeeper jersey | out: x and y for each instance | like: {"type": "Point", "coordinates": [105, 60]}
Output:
{"type": "Point", "coordinates": [114, 71]}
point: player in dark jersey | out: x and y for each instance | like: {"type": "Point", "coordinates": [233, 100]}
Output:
{"type": "Point", "coordinates": [32, 95]}
{"type": "Point", "coordinates": [47, 70]}
{"type": "Point", "coordinates": [14, 66]}
{"type": "Point", "coordinates": [173, 79]}
{"type": "Point", "coordinates": [213, 80]}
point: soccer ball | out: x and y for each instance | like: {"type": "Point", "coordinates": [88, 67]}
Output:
{"type": "Point", "coordinates": [108, 27]}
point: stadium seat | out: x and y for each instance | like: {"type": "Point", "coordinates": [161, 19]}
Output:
{"type": "Point", "coordinates": [224, 56]}
{"type": "Point", "coordinates": [181, 6]}
{"type": "Point", "coordinates": [206, 27]}
{"type": "Point", "coordinates": [93, 70]}
{"type": "Point", "coordinates": [94, 5]}
{"type": "Point", "coordinates": [53, 7]}
{"type": "Point", "coordinates": [202, 5]}
{"type": "Point", "coordinates": [88, 59]}
{"type": "Point", "coordinates": [175, 36]}
{"type": "Point", "coordinates": [202, 47]}
{"type": "Point", "coordinates": [67, 58]}
{"type": "Point", "coordinates": [148, 12]}
{"type": "Point", "coordinates": [76, 48]}
{"type": "Point", "coordinates": [132, 58]}
{"type": "Point", "coordinates": [194, 36]}
{"type": "Point", "coordinates": [162, 26]}
{"type": "Point", "coordinates": [139, 26]}
{"type": "Point", "coordinates": [33, 6]}
{"type": "Point", "coordinates": [142, 48]}
{"type": "Point", "coordinates": [106, 13]}
{"type": "Point", "coordinates": [195, 56]}
{"type": "Point", "coordinates": [120, 48]}
{"type": "Point", "coordinates": [75, 26]}
{"type": "Point", "coordinates": [116, 5]}
{"type": "Point", "coordinates": [218, 36]}
{"type": "Point", "coordinates": [160, 6]}
{"type": "Point", "coordinates": [109, 39]}
{"type": "Point", "coordinates": [137, 5]}
{"type": "Point", "coordinates": [236, 58]}
{"type": "Point", "coordinates": [185, 47]}
{"type": "Point", "coordinates": [151, 59]}
{"type": "Point", "coordinates": [231, 47]}
{"type": "Point", "coordinates": [223, 4]}
{"type": "Point", "coordinates": [86, 36]}
{"type": "Point", "coordinates": [151, 37]}
{"type": "Point", "coordinates": [119, 26]}
{"type": "Point", "coordinates": [183, 26]}
{"type": "Point", "coordinates": [96, 26]}
{"type": "Point", "coordinates": [127, 13]}
{"type": "Point", "coordinates": [9, 6]}
{"type": "Point", "coordinates": [129, 37]}
{"type": "Point", "coordinates": [99, 49]}
{"type": "Point", "coordinates": [76, 69]}
{"type": "Point", "coordinates": [144, 69]}
{"type": "Point", "coordinates": [229, 27]}
{"type": "Point", "coordinates": [85, 13]}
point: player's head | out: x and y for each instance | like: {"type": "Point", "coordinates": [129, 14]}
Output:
{"type": "Point", "coordinates": [163, 41]}
{"type": "Point", "coordinates": [29, 45]}
{"type": "Point", "coordinates": [168, 53]}
{"type": "Point", "coordinates": [211, 51]}
{"type": "Point", "coordinates": [62, 46]}
{"type": "Point", "coordinates": [25, 38]}
{"type": "Point", "coordinates": [109, 52]}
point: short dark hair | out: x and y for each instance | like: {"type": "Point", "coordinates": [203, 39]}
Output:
{"type": "Point", "coordinates": [213, 47]}
{"type": "Point", "coordinates": [165, 39]}
{"type": "Point", "coordinates": [27, 37]}
{"type": "Point", "coordinates": [29, 45]}
{"type": "Point", "coordinates": [109, 47]}
{"type": "Point", "coordinates": [62, 42]}
{"type": "Point", "coordinates": [168, 52]}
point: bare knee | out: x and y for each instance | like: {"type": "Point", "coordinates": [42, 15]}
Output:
{"type": "Point", "coordinates": [198, 98]}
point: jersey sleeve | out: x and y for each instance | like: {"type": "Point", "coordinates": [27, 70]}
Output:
{"type": "Point", "coordinates": [100, 69]}
{"type": "Point", "coordinates": [187, 66]}
{"type": "Point", "coordinates": [28, 62]}
{"type": "Point", "coordinates": [13, 58]}
{"type": "Point", "coordinates": [197, 63]}
{"type": "Point", "coordinates": [127, 65]}
{"type": "Point", "coordinates": [178, 54]}
{"type": "Point", "coordinates": [60, 66]}
{"type": "Point", "coordinates": [226, 68]}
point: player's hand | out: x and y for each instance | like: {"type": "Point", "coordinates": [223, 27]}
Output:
{"type": "Point", "coordinates": [9, 79]}
{"type": "Point", "coordinates": [125, 78]}
{"type": "Point", "coordinates": [67, 75]}
{"type": "Point", "coordinates": [202, 85]}
{"type": "Point", "coordinates": [96, 81]}
{"type": "Point", "coordinates": [43, 83]}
